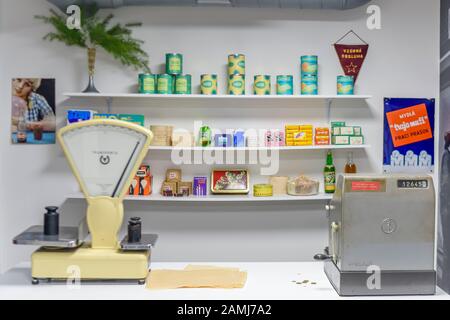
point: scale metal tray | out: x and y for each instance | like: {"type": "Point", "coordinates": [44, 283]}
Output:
{"type": "Point", "coordinates": [68, 238]}
{"type": "Point", "coordinates": [147, 242]}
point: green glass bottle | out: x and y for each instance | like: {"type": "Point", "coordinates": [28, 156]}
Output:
{"type": "Point", "coordinates": [205, 136]}
{"type": "Point", "coordinates": [329, 174]}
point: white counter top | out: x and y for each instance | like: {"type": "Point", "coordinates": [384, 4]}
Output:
{"type": "Point", "coordinates": [271, 281]}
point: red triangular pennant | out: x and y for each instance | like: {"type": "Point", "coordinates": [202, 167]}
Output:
{"type": "Point", "coordinates": [352, 57]}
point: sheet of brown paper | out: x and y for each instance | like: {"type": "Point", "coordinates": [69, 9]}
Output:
{"type": "Point", "coordinates": [197, 277]}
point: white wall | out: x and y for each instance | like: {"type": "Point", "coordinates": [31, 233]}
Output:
{"type": "Point", "coordinates": [402, 62]}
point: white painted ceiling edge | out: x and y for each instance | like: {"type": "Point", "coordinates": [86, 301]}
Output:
{"type": "Point", "coordinates": [288, 4]}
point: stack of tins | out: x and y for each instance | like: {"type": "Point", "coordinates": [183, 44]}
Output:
{"type": "Point", "coordinates": [180, 83]}
{"type": "Point", "coordinates": [162, 135]}
{"type": "Point", "coordinates": [309, 75]}
{"type": "Point", "coordinates": [236, 74]}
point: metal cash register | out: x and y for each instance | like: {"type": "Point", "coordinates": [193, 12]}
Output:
{"type": "Point", "coordinates": [381, 236]}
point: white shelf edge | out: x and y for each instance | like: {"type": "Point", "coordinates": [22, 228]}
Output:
{"type": "Point", "coordinates": [219, 198]}
{"type": "Point", "coordinates": [199, 96]}
{"type": "Point", "coordinates": [328, 147]}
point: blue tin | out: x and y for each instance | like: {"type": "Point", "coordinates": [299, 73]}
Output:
{"type": "Point", "coordinates": [309, 85]}
{"type": "Point", "coordinates": [285, 85]}
{"type": "Point", "coordinates": [309, 65]}
{"type": "Point", "coordinates": [345, 85]}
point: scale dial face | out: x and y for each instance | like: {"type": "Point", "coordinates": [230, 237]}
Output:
{"type": "Point", "coordinates": [104, 156]}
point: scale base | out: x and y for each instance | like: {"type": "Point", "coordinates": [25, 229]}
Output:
{"type": "Point", "coordinates": [393, 283]}
{"type": "Point", "coordinates": [88, 264]}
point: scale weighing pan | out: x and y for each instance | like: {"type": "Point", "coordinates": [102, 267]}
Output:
{"type": "Point", "coordinates": [68, 238]}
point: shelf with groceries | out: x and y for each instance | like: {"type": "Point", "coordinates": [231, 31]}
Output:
{"type": "Point", "coordinates": [223, 185]}
{"type": "Point", "coordinates": [304, 136]}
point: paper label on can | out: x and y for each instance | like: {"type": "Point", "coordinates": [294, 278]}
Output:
{"type": "Point", "coordinates": [174, 64]}
{"type": "Point", "coordinates": [237, 84]}
{"type": "Point", "coordinates": [207, 83]}
{"type": "Point", "coordinates": [260, 84]}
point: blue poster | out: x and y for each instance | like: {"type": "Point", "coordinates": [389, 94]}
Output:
{"type": "Point", "coordinates": [408, 135]}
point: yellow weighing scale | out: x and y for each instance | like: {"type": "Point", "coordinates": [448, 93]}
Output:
{"type": "Point", "coordinates": [104, 156]}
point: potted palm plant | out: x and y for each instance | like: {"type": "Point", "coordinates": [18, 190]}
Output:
{"type": "Point", "coordinates": [98, 32]}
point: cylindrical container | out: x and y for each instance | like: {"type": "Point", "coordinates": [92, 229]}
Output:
{"type": "Point", "coordinates": [51, 221]}
{"type": "Point", "coordinates": [309, 85]}
{"type": "Point", "coordinates": [285, 85]}
{"type": "Point", "coordinates": [134, 230]}
{"type": "Point", "coordinates": [262, 190]}
{"type": "Point", "coordinates": [345, 85]}
{"type": "Point", "coordinates": [236, 64]}
{"type": "Point", "coordinates": [261, 85]}
{"type": "Point", "coordinates": [183, 84]}
{"type": "Point", "coordinates": [165, 84]}
{"type": "Point", "coordinates": [236, 84]}
{"type": "Point", "coordinates": [174, 63]}
{"type": "Point", "coordinates": [279, 185]}
{"type": "Point", "coordinates": [208, 84]}
{"type": "Point", "coordinates": [147, 83]}
{"type": "Point", "coordinates": [309, 65]}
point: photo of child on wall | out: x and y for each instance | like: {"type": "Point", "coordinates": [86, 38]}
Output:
{"type": "Point", "coordinates": [33, 118]}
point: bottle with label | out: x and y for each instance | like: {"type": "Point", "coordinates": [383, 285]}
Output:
{"type": "Point", "coordinates": [350, 167]}
{"type": "Point", "coordinates": [329, 174]}
{"type": "Point", "coordinates": [205, 136]}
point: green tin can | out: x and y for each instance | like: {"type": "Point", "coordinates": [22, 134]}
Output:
{"type": "Point", "coordinates": [261, 85]}
{"type": "Point", "coordinates": [236, 64]}
{"type": "Point", "coordinates": [165, 84]}
{"type": "Point", "coordinates": [236, 84]}
{"type": "Point", "coordinates": [183, 84]}
{"type": "Point", "coordinates": [147, 83]}
{"type": "Point", "coordinates": [285, 85]}
{"type": "Point", "coordinates": [174, 63]}
{"type": "Point", "coordinates": [208, 84]}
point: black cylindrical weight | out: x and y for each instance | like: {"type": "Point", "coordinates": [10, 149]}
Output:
{"type": "Point", "coordinates": [134, 230]}
{"type": "Point", "coordinates": [51, 221]}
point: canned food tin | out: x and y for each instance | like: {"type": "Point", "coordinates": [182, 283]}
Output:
{"type": "Point", "coordinates": [236, 84]}
{"type": "Point", "coordinates": [345, 85]}
{"type": "Point", "coordinates": [174, 63]}
{"type": "Point", "coordinates": [285, 85]}
{"type": "Point", "coordinates": [208, 84]}
{"type": "Point", "coordinates": [262, 190]}
{"type": "Point", "coordinates": [261, 85]}
{"type": "Point", "coordinates": [309, 65]}
{"type": "Point", "coordinates": [165, 84]}
{"type": "Point", "coordinates": [183, 84]}
{"type": "Point", "coordinates": [236, 64]}
{"type": "Point", "coordinates": [147, 83]}
{"type": "Point", "coordinates": [309, 85]}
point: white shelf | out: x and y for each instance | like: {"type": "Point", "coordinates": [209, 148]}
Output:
{"type": "Point", "coordinates": [220, 198]}
{"type": "Point", "coordinates": [211, 97]}
{"type": "Point", "coordinates": [328, 147]}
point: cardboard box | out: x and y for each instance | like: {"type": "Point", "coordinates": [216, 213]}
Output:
{"type": "Point", "coordinates": [185, 188]}
{"type": "Point", "coordinates": [142, 184]}
{"type": "Point", "coordinates": [171, 187]}
{"type": "Point", "coordinates": [341, 140]}
{"type": "Point", "coordinates": [173, 175]}
{"type": "Point", "coordinates": [356, 140]}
